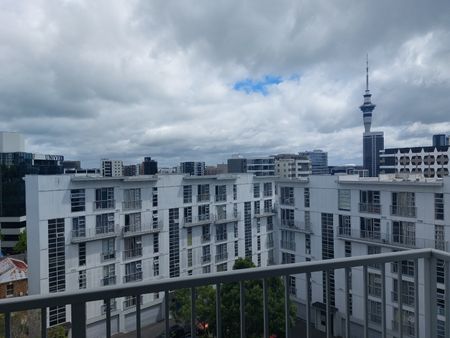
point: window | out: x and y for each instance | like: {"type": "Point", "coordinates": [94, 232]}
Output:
{"type": "Point", "coordinates": [206, 254]}
{"type": "Point", "coordinates": [267, 206]}
{"type": "Point", "coordinates": [308, 244]}
{"type": "Point", "coordinates": [287, 258]}
{"type": "Point", "coordinates": [408, 296]}
{"type": "Point", "coordinates": [221, 232]}
{"type": "Point", "coordinates": [259, 259]}
{"type": "Point", "coordinates": [108, 249]}
{"type": "Point", "coordinates": [374, 311]}
{"type": "Point", "coordinates": [403, 204]}
{"type": "Point", "coordinates": [439, 206]}
{"type": "Point", "coordinates": [78, 200]}
{"type": "Point", "coordinates": [288, 240]}
{"type": "Point", "coordinates": [256, 192]}
{"type": "Point", "coordinates": [156, 266]}
{"type": "Point", "coordinates": [104, 198]}
{"type": "Point", "coordinates": [404, 233]}
{"type": "Point", "coordinates": [132, 247]}
{"type": "Point", "coordinates": [344, 199]}
{"type": "Point", "coordinates": [258, 225]}
{"type": "Point", "coordinates": [348, 249]}
{"type": "Point", "coordinates": [287, 217]}
{"type": "Point", "coordinates": [132, 198]}
{"type": "Point", "coordinates": [221, 267]}
{"type": "Point", "coordinates": [269, 223]}
{"type": "Point", "coordinates": [221, 252]}
{"type": "Point", "coordinates": [133, 272]}
{"type": "Point", "coordinates": [133, 222]}
{"type": "Point", "coordinates": [81, 254]}
{"type": "Point", "coordinates": [234, 191]}
{"type": "Point", "coordinates": [221, 211]}
{"type": "Point", "coordinates": [206, 235]}
{"type": "Point", "coordinates": [306, 197]}
{"type": "Point", "coordinates": [155, 197]}
{"type": "Point", "coordinates": [109, 274]}
{"type": "Point", "coordinates": [373, 250]}
{"type": "Point", "coordinates": [407, 268]}
{"type": "Point", "coordinates": [206, 269]}
{"type": "Point", "coordinates": [408, 322]}
{"type": "Point", "coordinates": [370, 228]}
{"type": "Point", "coordinates": [203, 193]}
{"type": "Point", "coordinates": [203, 212]}
{"type": "Point", "coordinates": [187, 212]}
{"type": "Point", "coordinates": [236, 249]}
{"type": "Point", "coordinates": [235, 230]}
{"type": "Point", "coordinates": [155, 243]}
{"type": "Point", "coordinates": [307, 219]}
{"type": "Point", "coordinates": [258, 243]}
{"type": "Point", "coordinates": [257, 207]}
{"type": "Point", "coordinates": [189, 257]}
{"type": "Point", "coordinates": [345, 226]}
{"type": "Point", "coordinates": [369, 201]}
{"type": "Point", "coordinates": [221, 193]}
{"type": "Point", "coordinates": [82, 279]}
{"type": "Point", "coordinates": [287, 195]}
{"type": "Point", "coordinates": [268, 189]}
{"type": "Point", "coordinates": [187, 193]}
{"type": "Point", "coordinates": [104, 223]}
{"type": "Point", "coordinates": [374, 284]}
{"type": "Point", "coordinates": [439, 237]}
{"type": "Point", "coordinates": [189, 236]}
{"type": "Point", "coordinates": [79, 226]}
{"type": "Point", "coordinates": [155, 219]}
{"type": "Point", "coordinates": [10, 290]}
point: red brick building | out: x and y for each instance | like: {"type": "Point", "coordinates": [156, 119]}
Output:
{"type": "Point", "coordinates": [13, 277]}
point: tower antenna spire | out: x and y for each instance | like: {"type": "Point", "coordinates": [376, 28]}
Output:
{"type": "Point", "coordinates": [367, 71]}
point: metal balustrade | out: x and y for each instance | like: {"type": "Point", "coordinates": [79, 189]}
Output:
{"type": "Point", "coordinates": [220, 257]}
{"type": "Point", "coordinates": [290, 201]}
{"type": "Point", "coordinates": [221, 198]}
{"type": "Point", "coordinates": [201, 219]}
{"type": "Point", "coordinates": [226, 217]}
{"type": "Point", "coordinates": [104, 204]}
{"type": "Point", "coordinates": [132, 205]}
{"type": "Point", "coordinates": [141, 229]}
{"type": "Point", "coordinates": [109, 280]}
{"type": "Point", "coordinates": [288, 245]}
{"type": "Point", "coordinates": [92, 234]}
{"type": "Point", "coordinates": [132, 253]}
{"type": "Point", "coordinates": [265, 212]}
{"type": "Point", "coordinates": [203, 197]}
{"type": "Point", "coordinates": [403, 210]}
{"type": "Point", "coordinates": [298, 226]}
{"type": "Point", "coordinates": [370, 208]}
{"type": "Point", "coordinates": [424, 261]}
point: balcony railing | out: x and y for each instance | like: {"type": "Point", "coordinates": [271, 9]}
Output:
{"type": "Point", "coordinates": [223, 256]}
{"type": "Point", "coordinates": [222, 237]}
{"type": "Point", "coordinates": [141, 229]}
{"type": "Point", "coordinates": [206, 238]}
{"type": "Point", "coordinates": [269, 243]}
{"type": "Point", "coordinates": [403, 211]}
{"type": "Point", "coordinates": [221, 198]}
{"type": "Point", "coordinates": [406, 298]}
{"type": "Point", "coordinates": [370, 208]}
{"type": "Point", "coordinates": [110, 280]}
{"type": "Point", "coordinates": [106, 204]}
{"type": "Point", "coordinates": [113, 307]}
{"type": "Point", "coordinates": [206, 259]}
{"type": "Point", "coordinates": [105, 256]}
{"type": "Point", "coordinates": [226, 217]}
{"type": "Point", "coordinates": [203, 197]}
{"type": "Point", "coordinates": [197, 220]}
{"type": "Point", "coordinates": [391, 240]}
{"type": "Point", "coordinates": [424, 314]}
{"type": "Point", "coordinates": [287, 201]}
{"type": "Point", "coordinates": [133, 277]}
{"type": "Point", "coordinates": [91, 234]}
{"type": "Point", "coordinates": [132, 253]}
{"type": "Point", "coordinates": [131, 302]}
{"type": "Point", "coordinates": [296, 226]}
{"type": "Point", "coordinates": [132, 205]}
{"type": "Point", "coordinates": [265, 212]}
{"type": "Point", "coordinates": [288, 245]}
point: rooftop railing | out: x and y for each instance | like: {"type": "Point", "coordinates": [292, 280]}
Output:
{"type": "Point", "coordinates": [425, 308]}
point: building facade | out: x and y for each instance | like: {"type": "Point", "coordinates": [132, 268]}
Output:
{"type": "Point", "coordinates": [237, 165]}
{"type": "Point", "coordinates": [103, 231]}
{"type": "Point", "coordinates": [261, 166]}
{"type": "Point", "coordinates": [149, 166]}
{"type": "Point", "coordinates": [111, 168]}
{"type": "Point", "coordinates": [319, 161]}
{"type": "Point", "coordinates": [292, 166]}
{"type": "Point", "coordinates": [13, 277]}
{"type": "Point", "coordinates": [192, 168]}
{"type": "Point", "coordinates": [343, 216]}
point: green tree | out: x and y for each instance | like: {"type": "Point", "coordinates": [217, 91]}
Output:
{"type": "Point", "coordinates": [230, 301]}
{"type": "Point", "coordinates": [21, 245]}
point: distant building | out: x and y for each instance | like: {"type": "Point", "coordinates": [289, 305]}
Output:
{"type": "Point", "coordinates": [193, 168]}
{"type": "Point", "coordinates": [440, 140]}
{"type": "Point", "coordinates": [15, 163]}
{"type": "Point", "coordinates": [349, 170]}
{"type": "Point", "coordinates": [149, 166]}
{"type": "Point", "coordinates": [292, 166]}
{"type": "Point", "coordinates": [168, 170]}
{"type": "Point", "coordinates": [261, 166]}
{"type": "Point", "coordinates": [111, 168]}
{"type": "Point", "coordinates": [236, 165]}
{"type": "Point", "coordinates": [373, 142]}
{"type": "Point", "coordinates": [130, 170]}
{"type": "Point", "coordinates": [13, 277]}
{"type": "Point", "coordinates": [75, 165]}
{"type": "Point", "coordinates": [216, 169]}
{"type": "Point", "coordinates": [319, 161]}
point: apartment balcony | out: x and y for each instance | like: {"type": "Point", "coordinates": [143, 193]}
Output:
{"type": "Point", "coordinates": [133, 277]}
{"type": "Point", "coordinates": [92, 234]}
{"type": "Point", "coordinates": [226, 217]}
{"type": "Point", "coordinates": [106, 256]}
{"type": "Point", "coordinates": [290, 201]}
{"type": "Point", "coordinates": [203, 198]}
{"type": "Point", "coordinates": [113, 307]}
{"type": "Point", "coordinates": [265, 213]}
{"type": "Point", "coordinates": [221, 237]}
{"type": "Point", "coordinates": [220, 198]}
{"type": "Point", "coordinates": [403, 211]}
{"type": "Point", "coordinates": [141, 229]}
{"type": "Point", "coordinates": [132, 253]}
{"type": "Point", "coordinates": [287, 245]}
{"type": "Point", "coordinates": [390, 240]}
{"type": "Point", "coordinates": [206, 259]}
{"type": "Point", "coordinates": [109, 280]}
{"type": "Point", "coordinates": [104, 205]}
{"type": "Point", "coordinates": [223, 256]}
{"type": "Point", "coordinates": [298, 226]}
{"type": "Point", "coordinates": [206, 238]}
{"type": "Point", "coordinates": [424, 311]}
{"type": "Point", "coordinates": [197, 220]}
{"type": "Point", "coordinates": [132, 205]}
{"type": "Point", "coordinates": [370, 208]}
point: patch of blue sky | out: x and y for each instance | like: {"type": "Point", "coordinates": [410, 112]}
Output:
{"type": "Point", "coordinates": [261, 86]}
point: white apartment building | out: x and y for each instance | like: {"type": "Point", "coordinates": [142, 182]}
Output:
{"type": "Point", "coordinates": [88, 232]}
{"type": "Point", "coordinates": [340, 216]}
{"type": "Point", "coordinates": [292, 166]}
{"type": "Point", "coordinates": [111, 168]}
{"type": "Point", "coordinates": [261, 166]}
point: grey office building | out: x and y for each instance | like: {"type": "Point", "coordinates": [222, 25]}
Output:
{"type": "Point", "coordinates": [319, 161]}
{"type": "Point", "coordinates": [237, 165]}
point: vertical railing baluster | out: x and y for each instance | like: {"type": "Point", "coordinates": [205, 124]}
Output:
{"type": "Point", "coordinates": [44, 322]}
{"type": "Point", "coordinates": [193, 315]}
{"type": "Point", "coordinates": [447, 298]}
{"type": "Point", "coordinates": [328, 301]}
{"type": "Point", "coordinates": [242, 307]}
{"type": "Point", "coordinates": [308, 305]}
{"type": "Point", "coordinates": [166, 313]}
{"type": "Point", "coordinates": [138, 316]}
{"type": "Point", "coordinates": [8, 325]}
{"type": "Point", "coordinates": [400, 298]}
{"type": "Point", "coordinates": [347, 301]}
{"type": "Point", "coordinates": [266, 308]}
{"type": "Point", "coordinates": [365, 302]}
{"type": "Point", "coordinates": [416, 298]}
{"type": "Point", "coordinates": [218, 313]}
{"type": "Point", "coordinates": [108, 317]}
{"type": "Point", "coordinates": [383, 300]}
{"type": "Point", "coordinates": [79, 320]}
{"type": "Point", "coordinates": [286, 306]}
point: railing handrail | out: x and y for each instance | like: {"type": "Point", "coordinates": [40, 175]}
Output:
{"type": "Point", "coordinates": [160, 285]}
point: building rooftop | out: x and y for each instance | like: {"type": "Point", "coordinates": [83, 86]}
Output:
{"type": "Point", "coordinates": [12, 269]}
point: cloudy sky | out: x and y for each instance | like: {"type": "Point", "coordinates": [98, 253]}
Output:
{"type": "Point", "coordinates": [181, 80]}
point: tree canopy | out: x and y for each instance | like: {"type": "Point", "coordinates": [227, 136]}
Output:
{"type": "Point", "coordinates": [205, 306]}
{"type": "Point", "coordinates": [21, 245]}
